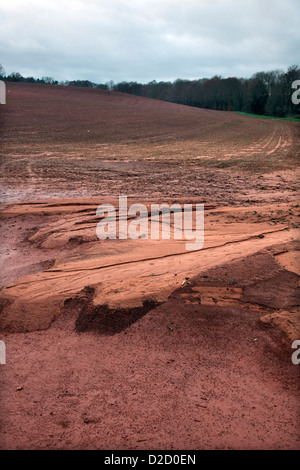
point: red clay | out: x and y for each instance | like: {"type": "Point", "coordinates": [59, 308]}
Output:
{"type": "Point", "coordinates": [136, 344]}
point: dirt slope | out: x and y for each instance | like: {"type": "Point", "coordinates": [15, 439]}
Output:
{"type": "Point", "coordinates": [141, 344]}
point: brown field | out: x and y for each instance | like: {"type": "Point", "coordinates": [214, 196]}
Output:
{"type": "Point", "coordinates": [141, 344]}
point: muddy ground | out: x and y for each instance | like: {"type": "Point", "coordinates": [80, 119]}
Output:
{"type": "Point", "coordinates": [142, 344]}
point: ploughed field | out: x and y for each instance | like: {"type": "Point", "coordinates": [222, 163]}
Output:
{"type": "Point", "coordinates": [142, 344]}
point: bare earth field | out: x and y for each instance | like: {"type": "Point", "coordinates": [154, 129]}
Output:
{"type": "Point", "coordinates": [141, 344]}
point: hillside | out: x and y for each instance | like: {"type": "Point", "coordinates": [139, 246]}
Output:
{"type": "Point", "coordinates": [96, 142]}
{"type": "Point", "coordinates": [140, 343]}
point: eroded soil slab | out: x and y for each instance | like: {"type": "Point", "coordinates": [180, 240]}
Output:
{"type": "Point", "coordinates": [126, 273]}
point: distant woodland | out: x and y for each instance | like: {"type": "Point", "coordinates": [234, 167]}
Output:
{"type": "Point", "coordinates": [265, 93]}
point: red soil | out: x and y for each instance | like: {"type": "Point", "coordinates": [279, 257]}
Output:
{"type": "Point", "coordinates": [141, 344]}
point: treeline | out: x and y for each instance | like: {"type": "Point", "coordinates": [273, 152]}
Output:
{"type": "Point", "coordinates": [17, 77]}
{"type": "Point", "coordinates": [265, 93]}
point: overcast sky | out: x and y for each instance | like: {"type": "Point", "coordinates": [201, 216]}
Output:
{"type": "Point", "coordinates": [143, 40]}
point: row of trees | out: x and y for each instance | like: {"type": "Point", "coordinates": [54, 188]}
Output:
{"type": "Point", "coordinates": [265, 93]}
{"type": "Point", "coordinates": [17, 77]}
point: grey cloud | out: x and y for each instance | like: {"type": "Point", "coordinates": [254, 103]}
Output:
{"type": "Point", "coordinates": [146, 40]}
